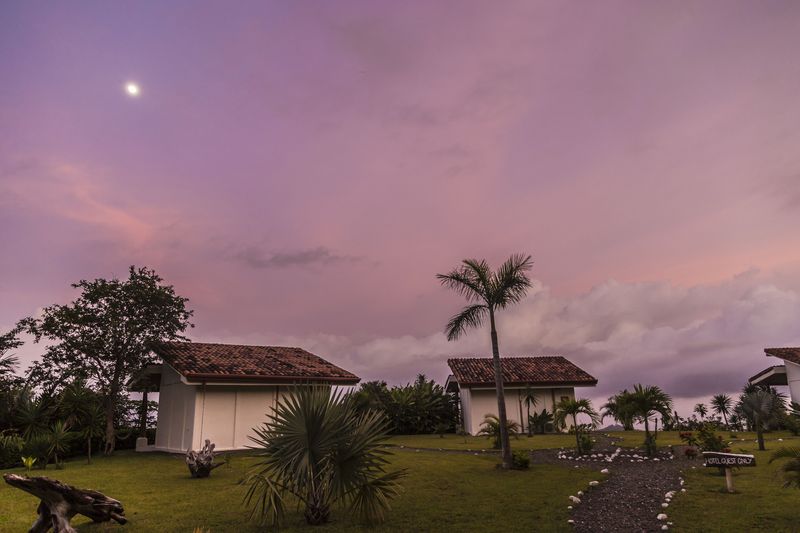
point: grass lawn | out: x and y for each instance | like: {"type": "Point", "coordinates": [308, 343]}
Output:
{"type": "Point", "coordinates": [632, 439]}
{"type": "Point", "coordinates": [442, 492]}
{"type": "Point", "coordinates": [760, 503]}
{"type": "Point", "coordinates": [455, 442]}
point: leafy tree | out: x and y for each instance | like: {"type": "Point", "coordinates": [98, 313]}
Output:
{"type": "Point", "coordinates": [529, 399]}
{"type": "Point", "coordinates": [620, 408]}
{"type": "Point", "coordinates": [758, 406]}
{"type": "Point", "coordinates": [320, 450]}
{"type": "Point", "coordinates": [487, 292]}
{"type": "Point", "coordinates": [490, 427]}
{"type": "Point", "coordinates": [701, 410]}
{"type": "Point", "coordinates": [106, 333]}
{"type": "Point", "coordinates": [722, 405]}
{"type": "Point", "coordinates": [569, 408]}
{"type": "Point", "coordinates": [647, 401]}
{"type": "Point", "coordinates": [791, 468]}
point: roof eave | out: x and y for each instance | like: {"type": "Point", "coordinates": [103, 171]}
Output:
{"type": "Point", "coordinates": [199, 378]}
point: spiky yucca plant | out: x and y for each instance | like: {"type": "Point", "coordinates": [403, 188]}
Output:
{"type": "Point", "coordinates": [791, 468]}
{"type": "Point", "coordinates": [319, 450]}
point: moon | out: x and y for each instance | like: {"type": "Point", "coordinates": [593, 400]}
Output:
{"type": "Point", "coordinates": [132, 89]}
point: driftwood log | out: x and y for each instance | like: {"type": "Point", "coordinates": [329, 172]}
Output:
{"type": "Point", "coordinates": [202, 463]}
{"type": "Point", "coordinates": [60, 502]}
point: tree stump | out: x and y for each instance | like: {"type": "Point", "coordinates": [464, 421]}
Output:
{"type": "Point", "coordinates": [60, 502]}
{"type": "Point", "coordinates": [202, 463]}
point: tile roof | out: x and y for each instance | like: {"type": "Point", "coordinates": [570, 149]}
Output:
{"type": "Point", "coordinates": [198, 361]}
{"type": "Point", "coordinates": [787, 354]}
{"type": "Point", "coordinates": [545, 370]}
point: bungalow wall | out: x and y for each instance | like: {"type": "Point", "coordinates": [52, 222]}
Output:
{"type": "Point", "coordinates": [224, 414]}
{"type": "Point", "coordinates": [477, 402]}
{"type": "Point", "coordinates": [793, 380]}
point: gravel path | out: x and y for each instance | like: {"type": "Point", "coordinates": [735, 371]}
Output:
{"type": "Point", "coordinates": [630, 496]}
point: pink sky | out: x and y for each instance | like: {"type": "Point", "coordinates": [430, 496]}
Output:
{"type": "Point", "coordinates": [301, 171]}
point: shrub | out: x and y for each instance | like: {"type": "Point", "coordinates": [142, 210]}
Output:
{"type": "Point", "coordinates": [38, 446]}
{"type": "Point", "coordinates": [520, 460]}
{"type": "Point", "coordinates": [319, 450]}
{"type": "Point", "coordinates": [10, 448]}
{"type": "Point", "coordinates": [708, 440]}
{"type": "Point", "coordinates": [491, 428]}
{"type": "Point", "coordinates": [690, 453]}
{"type": "Point", "coordinates": [587, 443]}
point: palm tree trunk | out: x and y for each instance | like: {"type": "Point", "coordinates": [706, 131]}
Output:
{"type": "Point", "coordinates": [505, 444]}
{"type": "Point", "coordinates": [759, 433]}
{"type": "Point", "coordinates": [647, 434]}
{"type": "Point", "coordinates": [89, 451]}
{"type": "Point", "coordinates": [530, 430]}
{"type": "Point", "coordinates": [577, 435]}
{"type": "Point", "coordinates": [725, 417]}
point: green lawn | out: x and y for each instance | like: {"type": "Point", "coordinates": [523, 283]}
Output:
{"type": "Point", "coordinates": [442, 492]}
{"type": "Point", "coordinates": [632, 439]}
{"type": "Point", "coordinates": [455, 442]}
{"type": "Point", "coordinates": [760, 503]}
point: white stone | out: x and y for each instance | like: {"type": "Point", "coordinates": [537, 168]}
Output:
{"type": "Point", "coordinates": [664, 505]}
{"type": "Point", "coordinates": [570, 521]}
{"type": "Point", "coordinates": [580, 493]}
{"type": "Point", "coordinates": [665, 527]}
{"type": "Point", "coordinates": [569, 507]}
{"type": "Point", "coordinates": [661, 516]}
{"type": "Point", "coordinates": [604, 471]}
{"type": "Point", "coordinates": [594, 483]}
{"type": "Point", "coordinates": [683, 490]}
{"type": "Point", "coordinates": [575, 499]}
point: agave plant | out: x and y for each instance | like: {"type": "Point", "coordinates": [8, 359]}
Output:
{"type": "Point", "coordinates": [791, 468]}
{"type": "Point", "coordinates": [490, 427]}
{"type": "Point", "coordinates": [318, 449]}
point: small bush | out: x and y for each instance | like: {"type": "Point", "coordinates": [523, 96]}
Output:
{"type": "Point", "coordinates": [520, 460]}
{"type": "Point", "coordinates": [38, 446]}
{"type": "Point", "coordinates": [587, 443]}
{"type": "Point", "coordinates": [690, 453]}
{"type": "Point", "coordinates": [10, 448]}
{"type": "Point", "coordinates": [708, 440]}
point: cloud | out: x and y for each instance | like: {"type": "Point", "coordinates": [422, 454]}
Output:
{"type": "Point", "coordinates": [692, 341]}
{"type": "Point", "coordinates": [258, 258]}
{"type": "Point", "coordinates": [75, 194]}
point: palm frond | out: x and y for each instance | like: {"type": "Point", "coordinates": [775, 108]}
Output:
{"type": "Point", "coordinates": [465, 282]}
{"type": "Point", "coordinates": [471, 316]}
{"type": "Point", "coordinates": [510, 283]}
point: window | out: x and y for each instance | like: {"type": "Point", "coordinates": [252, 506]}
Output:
{"type": "Point", "coordinates": [564, 398]}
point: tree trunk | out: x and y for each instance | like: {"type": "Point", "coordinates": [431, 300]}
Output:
{"type": "Point", "coordinates": [89, 451]}
{"type": "Point", "coordinates": [647, 435]}
{"type": "Point", "coordinates": [725, 417]}
{"type": "Point", "coordinates": [60, 502]}
{"type": "Point", "coordinates": [110, 439]}
{"type": "Point", "coordinates": [530, 428]}
{"type": "Point", "coordinates": [759, 432]}
{"type": "Point", "coordinates": [577, 434]}
{"type": "Point", "coordinates": [505, 444]}
{"type": "Point", "coordinates": [202, 463]}
{"type": "Point", "coordinates": [143, 415]}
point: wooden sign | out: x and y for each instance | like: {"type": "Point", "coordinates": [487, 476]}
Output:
{"type": "Point", "coordinates": [728, 460]}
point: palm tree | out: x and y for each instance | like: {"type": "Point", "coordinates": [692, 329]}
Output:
{"type": "Point", "coordinates": [32, 415]}
{"type": "Point", "coordinates": [487, 292]}
{"type": "Point", "coordinates": [571, 408]}
{"type": "Point", "coordinates": [93, 426]}
{"type": "Point", "coordinates": [490, 427]}
{"type": "Point", "coordinates": [319, 450]}
{"type": "Point", "coordinates": [791, 469]}
{"type": "Point", "coordinates": [647, 401]}
{"type": "Point", "coordinates": [722, 404]}
{"type": "Point", "coordinates": [529, 398]}
{"type": "Point", "coordinates": [701, 410]}
{"type": "Point", "coordinates": [758, 406]}
{"type": "Point", "coordinates": [540, 420]}
{"type": "Point", "coordinates": [620, 408]}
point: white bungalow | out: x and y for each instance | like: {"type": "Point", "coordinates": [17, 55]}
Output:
{"type": "Point", "coordinates": [222, 391]}
{"type": "Point", "coordinates": [551, 378]}
{"type": "Point", "coordinates": [787, 374]}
